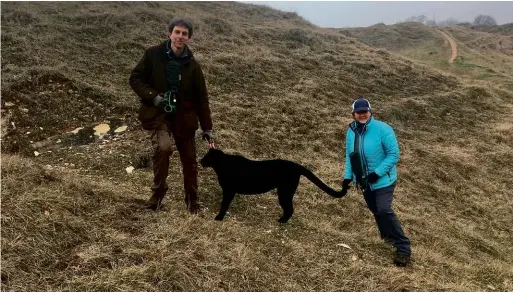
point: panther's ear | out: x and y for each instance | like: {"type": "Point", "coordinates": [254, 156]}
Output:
{"type": "Point", "coordinates": [215, 152]}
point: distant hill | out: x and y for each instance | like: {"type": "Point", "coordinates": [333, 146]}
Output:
{"type": "Point", "coordinates": [481, 55]}
{"type": "Point", "coordinates": [504, 29]}
{"type": "Point", "coordinates": [393, 37]}
{"type": "Point", "coordinates": [479, 40]}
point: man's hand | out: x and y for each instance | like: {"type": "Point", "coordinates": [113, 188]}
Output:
{"type": "Point", "coordinates": [158, 100]}
{"type": "Point", "coordinates": [207, 135]}
{"type": "Point", "coordinates": [372, 177]}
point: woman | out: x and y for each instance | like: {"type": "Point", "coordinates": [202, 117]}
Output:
{"type": "Point", "coordinates": [372, 153]}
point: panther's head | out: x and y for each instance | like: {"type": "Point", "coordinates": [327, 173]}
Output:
{"type": "Point", "coordinates": [212, 156]}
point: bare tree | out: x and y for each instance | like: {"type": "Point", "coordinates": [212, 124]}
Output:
{"type": "Point", "coordinates": [448, 22]}
{"type": "Point", "coordinates": [484, 20]}
{"type": "Point", "coordinates": [420, 18]}
{"type": "Point", "coordinates": [430, 23]}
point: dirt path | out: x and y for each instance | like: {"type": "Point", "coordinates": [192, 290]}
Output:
{"type": "Point", "coordinates": [454, 46]}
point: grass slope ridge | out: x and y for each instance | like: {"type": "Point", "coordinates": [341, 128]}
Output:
{"type": "Point", "coordinates": [504, 29]}
{"type": "Point", "coordinates": [393, 37]}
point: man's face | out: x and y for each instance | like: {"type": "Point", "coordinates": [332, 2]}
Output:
{"type": "Point", "coordinates": [362, 116]}
{"type": "Point", "coordinates": [179, 37]}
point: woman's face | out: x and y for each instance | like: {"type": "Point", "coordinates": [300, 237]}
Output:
{"type": "Point", "coordinates": [362, 116]}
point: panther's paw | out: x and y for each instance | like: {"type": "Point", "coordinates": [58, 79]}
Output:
{"type": "Point", "coordinates": [283, 220]}
{"type": "Point", "coordinates": [219, 218]}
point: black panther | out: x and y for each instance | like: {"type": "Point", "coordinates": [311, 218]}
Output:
{"type": "Point", "coordinates": [237, 174]}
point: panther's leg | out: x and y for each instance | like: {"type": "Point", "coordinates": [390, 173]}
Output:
{"type": "Point", "coordinates": [227, 199]}
{"type": "Point", "coordinates": [285, 196]}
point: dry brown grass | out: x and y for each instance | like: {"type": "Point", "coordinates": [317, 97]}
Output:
{"type": "Point", "coordinates": [280, 87]}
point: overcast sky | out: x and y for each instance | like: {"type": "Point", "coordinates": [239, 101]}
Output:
{"type": "Point", "coordinates": [365, 13]}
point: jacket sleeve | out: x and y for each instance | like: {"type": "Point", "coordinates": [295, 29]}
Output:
{"type": "Point", "coordinates": [391, 148]}
{"type": "Point", "coordinates": [348, 172]}
{"type": "Point", "coordinates": [139, 79]}
{"type": "Point", "coordinates": [202, 107]}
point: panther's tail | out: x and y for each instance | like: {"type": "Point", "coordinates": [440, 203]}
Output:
{"type": "Point", "coordinates": [318, 182]}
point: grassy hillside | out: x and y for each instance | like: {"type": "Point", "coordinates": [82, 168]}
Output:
{"type": "Point", "coordinates": [504, 29]}
{"type": "Point", "coordinates": [393, 37]}
{"type": "Point", "coordinates": [490, 51]}
{"type": "Point", "coordinates": [481, 55]}
{"type": "Point", "coordinates": [266, 56]}
{"type": "Point", "coordinates": [280, 88]}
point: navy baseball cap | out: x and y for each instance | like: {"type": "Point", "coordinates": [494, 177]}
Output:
{"type": "Point", "coordinates": [361, 104]}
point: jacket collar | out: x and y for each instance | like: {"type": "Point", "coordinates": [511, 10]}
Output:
{"type": "Point", "coordinates": [166, 53]}
{"type": "Point", "coordinates": [354, 125]}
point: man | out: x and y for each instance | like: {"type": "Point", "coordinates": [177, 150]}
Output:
{"type": "Point", "coordinates": [372, 153]}
{"type": "Point", "coordinates": [173, 95]}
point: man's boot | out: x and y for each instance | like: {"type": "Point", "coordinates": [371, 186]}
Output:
{"type": "Point", "coordinates": [194, 208]}
{"type": "Point", "coordinates": [192, 205]}
{"type": "Point", "coordinates": [155, 202]}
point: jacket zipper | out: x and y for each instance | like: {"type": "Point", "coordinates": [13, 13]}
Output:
{"type": "Point", "coordinates": [364, 161]}
{"type": "Point", "coordinates": [362, 156]}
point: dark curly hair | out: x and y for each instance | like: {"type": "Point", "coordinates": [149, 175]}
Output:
{"type": "Point", "coordinates": [181, 21]}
